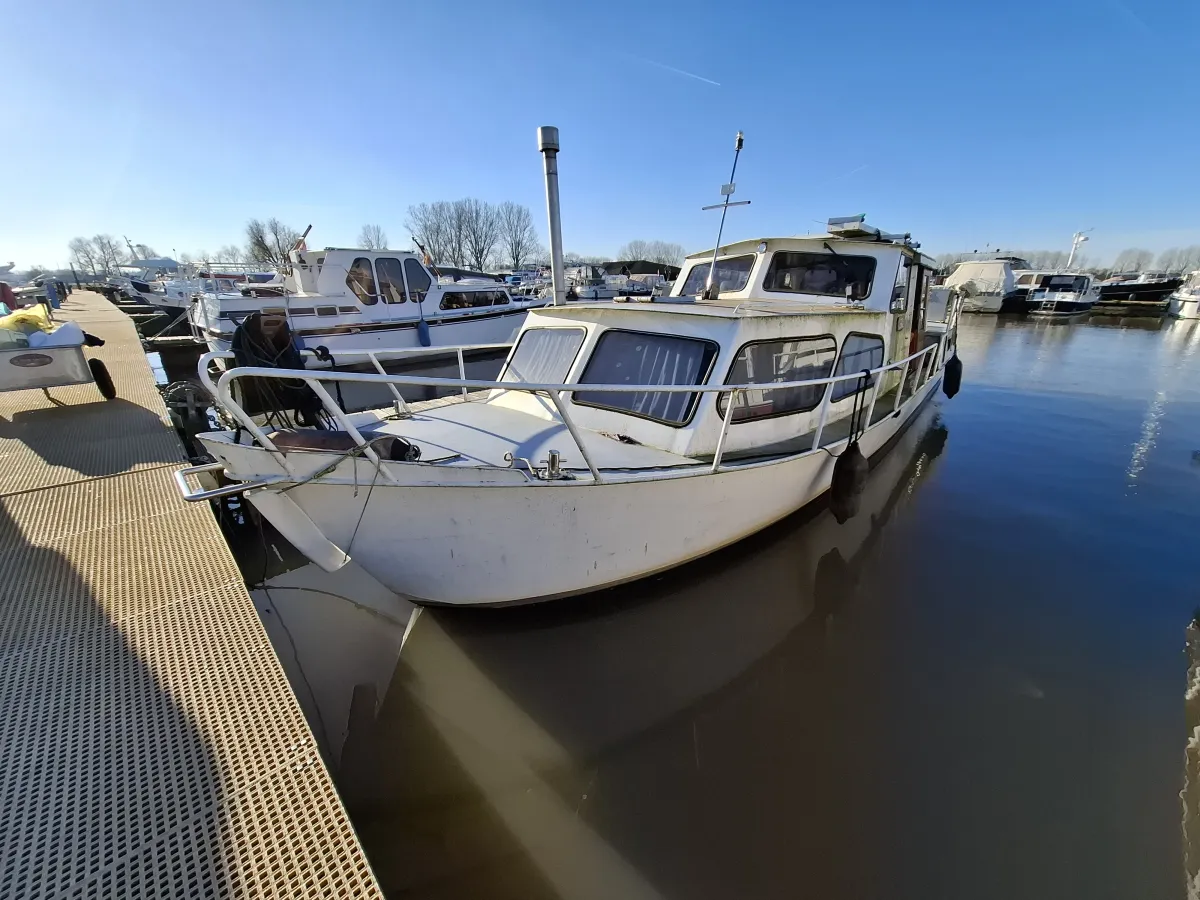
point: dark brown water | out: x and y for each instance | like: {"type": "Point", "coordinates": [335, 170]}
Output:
{"type": "Point", "coordinates": [973, 689]}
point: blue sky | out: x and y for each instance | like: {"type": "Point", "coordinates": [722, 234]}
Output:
{"type": "Point", "coordinates": [967, 124]}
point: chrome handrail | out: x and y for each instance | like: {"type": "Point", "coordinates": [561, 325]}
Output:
{"type": "Point", "coordinates": [314, 378]}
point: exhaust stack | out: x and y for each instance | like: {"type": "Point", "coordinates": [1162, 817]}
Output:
{"type": "Point", "coordinates": [548, 147]}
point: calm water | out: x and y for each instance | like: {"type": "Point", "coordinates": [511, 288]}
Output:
{"type": "Point", "coordinates": [973, 689]}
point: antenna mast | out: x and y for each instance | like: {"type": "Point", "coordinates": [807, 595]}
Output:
{"type": "Point", "coordinates": [711, 291]}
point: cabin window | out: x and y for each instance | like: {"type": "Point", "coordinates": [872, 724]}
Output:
{"type": "Point", "coordinates": [731, 275]}
{"type": "Point", "coordinates": [361, 280]}
{"type": "Point", "coordinates": [828, 274]}
{"type": "Point", "coordinates": [1025, 279]}
{"type": "Point", "coordinates": [544, 355]}
{"type": "Point", "coordinates": [900, 289]}
{"type": "Point", "coordinates": [859, 351]}
{"type": "Point", "coordinates": [634, 357]}
{"type": "Point", "coordinates": [466, 299]}
{"type": "Point", "coordinates": [499, 298]}
{"type": "Point", "coordinates": [418, 280]}
{"type": "Point", "coordinates": [764, 362]}
{"type": "Point", "coordinates": [391, 279]}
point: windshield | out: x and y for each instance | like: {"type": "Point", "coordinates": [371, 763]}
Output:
{"type": "Point", "coordinates": [1056, 283]}
{"type": "Point", "coordinates": [731, 274]}
{"type": "Point", "coordinates": [829, 274]}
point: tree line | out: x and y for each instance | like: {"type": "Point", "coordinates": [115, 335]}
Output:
{"type": "Point", "coordinates": [467, 233]}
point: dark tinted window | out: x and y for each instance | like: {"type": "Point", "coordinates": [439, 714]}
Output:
{"type": "Point", "coordinates": [859, 351]}
{"type": "Point", "coordinates": [731, 275]}
{"type": "Point", "coordinates": [361, 280]}
{"type": "Point", "coordinates": [544, 355]}
{"type": "Point", "coordinates": [391, 279]}
{"type": "Point", "coordinates": [780, 361]}
{"type": "Point", "coordinates": [499, 298]}
{"type": "Point", "coordinates": [466, 299]}
{"type": "Point", "coordinates": [820, 273]}
{"type": "Point", "coordinates": [630, 357]}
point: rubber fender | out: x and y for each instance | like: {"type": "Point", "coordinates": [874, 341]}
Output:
{"type": "Point", "coordinates": [952, 378]}
{"type": "Point", "coordinates": [846, 487]}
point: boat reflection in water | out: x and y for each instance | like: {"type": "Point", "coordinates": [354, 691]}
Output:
{"type": "Point", "coordinates": [676, 737]}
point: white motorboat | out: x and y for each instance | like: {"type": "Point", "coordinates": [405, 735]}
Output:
{"type": "Point", "coordinates": [620, 439]}
{"type": "Point", "coordinates": [1185, 301]}
{"type": "Point", "coordinates": [353, 299]}
{"type": "Point", "coordinates": [1058, 295]}
{"type": "Point", "coordinates": [989, 285]}
{"type": "Point", "coordinates": [590, 282]}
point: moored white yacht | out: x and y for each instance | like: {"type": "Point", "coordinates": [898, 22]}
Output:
{"type": "Point", "coordinates": [1185, 301]}
{"type": "Point", "coordinates": [989, 285]}
{"type": "Point", "coordinates": [620, 439]}
{"type": "Point", "coordinates": [1058, 294]}
{"type": "Point", "coordinates": [352, 299]}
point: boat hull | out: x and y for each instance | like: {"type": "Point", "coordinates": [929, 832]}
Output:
{"type": "Point", "coordinates": [1064, 307]}
{"type": "Point", "coordinates": [495, 538]}
{"type": "Point", "coordinates": [995, 303]}
{"type": "Point", "coordinates": [1185, 307]}
{"type": "Point", "coordinates": [1139, 292]}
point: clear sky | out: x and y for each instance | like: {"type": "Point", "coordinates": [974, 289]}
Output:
{"type": "Point", "coordinates": [967, 124]}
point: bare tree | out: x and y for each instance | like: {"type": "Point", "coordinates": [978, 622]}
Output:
{"type": "Point", "coordinates": [431, 226]}
{"type": "Point", "coordinates": [1132, 259]}
{"type": "Point", "coordinates": [518, 240]}
{"type": "Point", "coordinates": [268, 243]}
{"type": "Point", "coordinates": [230, 253]}
{"type": "Point", "coordinates": [144, 251]}
{"type": "Point", "coordinates": [660, 252]}
{"type": "Point", "coordinates": [83, 255]}
{"type": "Point", "coordinates": [1189, 258]}
{"type": "Point", "coordinates": [571, 258]}
{"type": "Point", "coordinates": [110, 253]}
{"type": "Point", "coordinates": [481, 231]}
{"type": "Point", "coordinates": [372, 237]}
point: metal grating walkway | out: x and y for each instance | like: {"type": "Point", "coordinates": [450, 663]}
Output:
{"type": "Point", "coordinates": [150, 745]}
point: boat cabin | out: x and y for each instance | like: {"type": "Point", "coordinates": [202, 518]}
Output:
{"type": "Point", "coordinates": [359, 289]}
{"type": "Point", "coordinates": [782, 310]}
{"type": "Point", "coordinates": [1054, 282]}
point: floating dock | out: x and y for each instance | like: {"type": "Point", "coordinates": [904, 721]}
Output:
{"type": "Point", "coordinates": [150, 743]}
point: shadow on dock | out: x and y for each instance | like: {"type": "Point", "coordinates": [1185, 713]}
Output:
{"type": "Point", "coordinates": [88, 438]}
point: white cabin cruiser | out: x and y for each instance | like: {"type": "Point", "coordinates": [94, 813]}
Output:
{"type": "Point", "coordinates": [1185, 301]}
{"type": "Point", "coordinates": [989, 285]}
{"type": "Point", "coordinates": [1058, 294]}
{"type": "Point", "coordinates": [620, 439]}
{"type": "Point", "coordinates": [354, 299]}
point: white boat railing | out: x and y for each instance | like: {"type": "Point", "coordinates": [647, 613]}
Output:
{"type": "Point", "coordinates": [923, 362]}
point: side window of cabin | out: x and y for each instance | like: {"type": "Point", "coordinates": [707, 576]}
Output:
{"type": "Point", "coordinates": [767, 362]}
{"type": "Point", "coordinates": [391, 279]}
{"type": "Point", "coordinates": [466, 299]}
{"type": "Point", "coordinates": [1026, 279]}
{"type": "Point", "coordinates": [634, 357]}
{"type": "Point", "coordinates": [361, 280]}
{"type": "Point", "coordinates": [499, 298]}
{"type": "Point", "coordinates": [830, 274]}
{"type": "Point", "coordinates": [418, 280]}
{"type": "Point", "coordinates": [859, 351]}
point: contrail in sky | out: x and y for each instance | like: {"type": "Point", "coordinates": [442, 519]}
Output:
{"type": "Point", "coordinates": [679, 71]}
{"type": "Point", "coordinates": [851, 172]}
